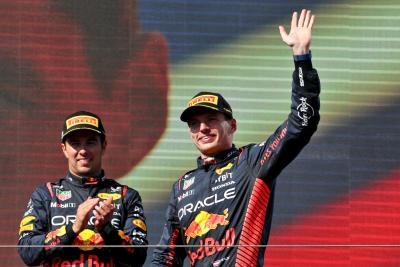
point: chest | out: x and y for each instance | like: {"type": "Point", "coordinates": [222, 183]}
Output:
{"type": "Point", "coordinates": [66, 200]}
{"type": "Point", "coordinates": [212, 191]}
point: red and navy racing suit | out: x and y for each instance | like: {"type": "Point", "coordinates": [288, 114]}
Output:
{"type": "Point", "coordinates": [47, 238]}
{"type": "Point", "coordinates": [224, 208]}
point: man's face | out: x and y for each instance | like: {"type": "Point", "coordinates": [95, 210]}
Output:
{"type": "Point", "coordinates": [84, 151]}
{"type": "Point", "coordinates": [211, 132]}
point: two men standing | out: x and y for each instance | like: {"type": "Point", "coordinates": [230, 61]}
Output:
{"type": "Point", "coordinates": [221, 211]}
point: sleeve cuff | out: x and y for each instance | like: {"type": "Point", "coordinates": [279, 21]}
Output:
{"type": "Point", "coordinates": [70, 233]}
{"type": "Point", "coordinates": [107, 230]}
{"type": "Point", "coordinates": [304, 57]}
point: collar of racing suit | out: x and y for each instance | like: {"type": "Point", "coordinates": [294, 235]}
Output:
{"type": "Point", "coordinates": [221, 156]}
{"type": "Point", "coordinates": [83, 181]}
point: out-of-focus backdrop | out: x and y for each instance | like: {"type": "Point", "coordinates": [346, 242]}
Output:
{"type": "Point", "coordinates": [137, 63]}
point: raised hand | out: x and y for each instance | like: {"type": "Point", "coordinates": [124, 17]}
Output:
{"type": "Point", "coordinates": [299, 37]}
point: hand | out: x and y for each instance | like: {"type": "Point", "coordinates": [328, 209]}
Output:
{"type": "Point", "coordinates": [83, 214]}
{"type": "Point", "coordinates": [103, 213]}
{"type": "Point", "coordinates": [299, 37]}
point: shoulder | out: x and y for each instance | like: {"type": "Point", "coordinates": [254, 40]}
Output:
{"type": "Point", "coordinates": [184, 180]}
{"type": "Point", "coordinates": [125, 191]}
{"type": "Point", "coordinates": [45, 191]}
{"type": "Point", "coordinates": [246, 149]}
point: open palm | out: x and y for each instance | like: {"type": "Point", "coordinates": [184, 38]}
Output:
{"type": "Point", "coordinates": [299, 37]}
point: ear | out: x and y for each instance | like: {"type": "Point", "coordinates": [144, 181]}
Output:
{"type": "Point", "coordinates": [64, 150]}
{"type": "Point", "coordinates": [104, 146]}
{"type": "Point", "coordinates": [233, 125]}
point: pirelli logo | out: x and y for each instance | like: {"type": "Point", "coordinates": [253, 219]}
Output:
{"type": "Point", "coordinates": [212, 99]}
{"type": "Point", "coordinates": [82, 120]}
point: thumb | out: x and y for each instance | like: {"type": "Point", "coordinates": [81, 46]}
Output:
{"type": "Point", "coordinates": [283, 32]}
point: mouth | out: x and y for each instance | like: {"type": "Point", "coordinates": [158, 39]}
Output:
{"type": "Point", "coordinates": [84, 161]}
{"type": "Point", "coordinates": [206, 139]}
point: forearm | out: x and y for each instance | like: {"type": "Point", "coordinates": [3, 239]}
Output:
{"type": "Point", "coordinates": [130, 252]}
{"type": "Point", "coordinates": [305, 104]}
{"type": "Point", "coordinates": [31, 249]}
{"type": "Point", "coordinates": [35, 248]}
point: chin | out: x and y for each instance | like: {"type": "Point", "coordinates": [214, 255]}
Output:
{"type": "Point", "coordinates": [85, 172]}
{"type": "Point", "coordinates": [210, 152]}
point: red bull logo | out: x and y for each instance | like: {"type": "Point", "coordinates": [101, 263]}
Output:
{"type": "Point", "coordinates": [88, 240]}
{"type": "Point", "coordinates": [52, 238]}
{"type": "Point", "coordinates": [126, 241]}
{"type": "Point", "coordinates": [88, 260]}
{"type": "Point", "coordinates": [209, 246]}
{"type": "Point", "coordinates": [205, 222]}
{"type": "Point", "coordinates": [56, 233]}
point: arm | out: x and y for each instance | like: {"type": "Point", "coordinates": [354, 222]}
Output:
{"type": "Point", "coordinates": [168, 254]}
{"type": "Point", "coordinates": [134, 231]}
{"type": "Point", "coordinates": [37, 242]}
{"type": "Point", "coordinates": [270, 157]}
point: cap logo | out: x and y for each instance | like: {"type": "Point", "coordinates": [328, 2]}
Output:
{"type": "Point", "coordinates": [82, 120]}
{"type": "Point", "coordinates": [212, 99]}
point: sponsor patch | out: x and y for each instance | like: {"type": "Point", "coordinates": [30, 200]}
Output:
{"type": "Point", "coordinates": [140, 223]}
{"type": "Point", "coordinates": [25, 224]}
{"type": "Point", "coordinates": [82, 120]}
{"type": "Point", "coordinates": [205, 222]}
{"type": "Point", "coordinates": [185, 195]}
{"type": "Point", "coordinates": [226, 167]}
{"type": "Point", "coordinates": [27, 220]}
{"type": "Point", "coordinates": [56, 233]}
{"type": "Point", "coordinates": [88, 240]}
{"type": "Point", "coordinates": [209, 246]}
{"type": "Point", "coordinates": [63, 195]}
{"type": "Point", "coordinates": [203, 99]}
{"type": "Point", "coordinates": [304, 111]}
{"type": "Point", "coordinates": [105, 196]}
{"type": "Point", "coordinates": [188, 183]}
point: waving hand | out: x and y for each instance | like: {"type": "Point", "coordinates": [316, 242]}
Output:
{"type": "Point", "coordinates": [299, 37]}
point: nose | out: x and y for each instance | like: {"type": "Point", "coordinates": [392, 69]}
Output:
{"type": "Point", "coordinates": [82, 149]}
{"type": "Point", "coordinates": [204, 126]}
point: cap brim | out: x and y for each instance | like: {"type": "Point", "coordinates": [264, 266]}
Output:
{"type": "Point", "coordinates": [188, 112]}
{"type": "Point", "coordinates": [79, 128]}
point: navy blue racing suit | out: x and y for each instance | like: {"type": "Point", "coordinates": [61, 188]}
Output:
{"type": "Point", "coordinates": [223, 209]}
{"type": "Point", "coordinates": [46, 236]}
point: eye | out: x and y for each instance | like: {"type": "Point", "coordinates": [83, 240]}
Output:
{"type": "Point", "coordinates": [74, 143]}
{"type": "Point", "coordinates": [92, 142]}
{"type": "Point", "coordinates": [192, 124]}
{"type": "Point", "coordinates": [212, 119]}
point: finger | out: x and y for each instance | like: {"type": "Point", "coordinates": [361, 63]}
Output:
{"type": "Point", "coordinates": [100, 208]}
{"type": "Point", "coordinates": [283, 32]}
{"type": "Point", "coordinates": [91, 203]}
{"type": "Point", "coordinates": [98, 218]}
{"type": "Point", "coordinates": [307, 19]}
{"type": "Point", "coordinates": [301, 19]}
{"type": "Point", "coordinates": [88, 205]}
{"type": "Point", "coordinates": [294, 20]}
{"type": "Point", "coordinates": [103, 209]}
{"type": "Point", "coordinates": [310, 25]}
{"type": "Point", "coordinates": [109, 200]}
